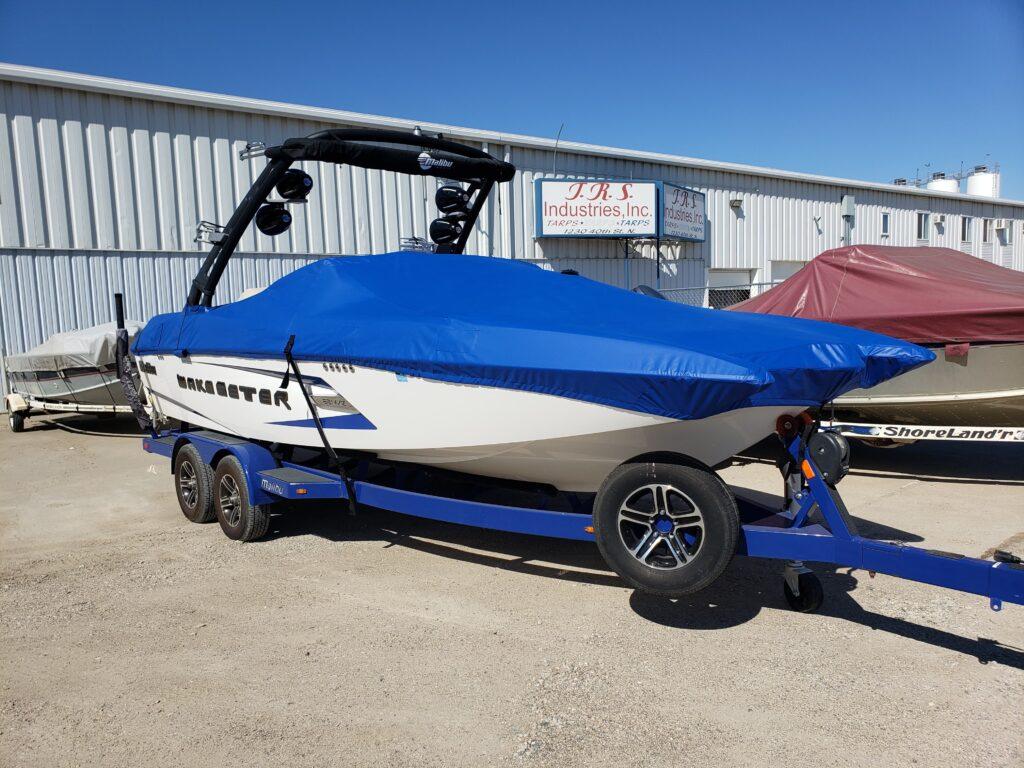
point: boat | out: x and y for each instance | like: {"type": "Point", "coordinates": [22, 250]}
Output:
{"type": "Point", "coordinates": [486, 366]}
{"type": "Point", "coordinates": [968, 311]}
{"type": "Point", "coordinates": [73, 371]}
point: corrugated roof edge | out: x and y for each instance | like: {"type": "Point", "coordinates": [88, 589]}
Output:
{"type": "Point", "coordinates": [59, 78]}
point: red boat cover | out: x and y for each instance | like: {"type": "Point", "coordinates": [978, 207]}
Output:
{"type": "Point", "coordinates": [923, 295]}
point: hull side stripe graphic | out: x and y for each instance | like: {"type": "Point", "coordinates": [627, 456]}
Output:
{"type": "Point", "coordinates": [315, 380]}
{"type": "Point", "coordinates": [189, 409]}
{"type": "Point", "coordinates": [350, 421]}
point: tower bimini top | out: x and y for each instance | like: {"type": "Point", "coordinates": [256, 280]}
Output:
{"type": "Point", "coordinates": [406, 152]}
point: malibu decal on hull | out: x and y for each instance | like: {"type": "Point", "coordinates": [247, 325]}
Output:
{"type": "Point", "coordinates": [235, 391]}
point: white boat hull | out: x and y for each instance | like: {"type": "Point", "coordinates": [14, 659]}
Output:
{"type": "Point", "coordinates": [984, 387]}
{"type": "Point", "coordinates": [79, 386]}
{"type": "Point", "coordinates": [570, 444]}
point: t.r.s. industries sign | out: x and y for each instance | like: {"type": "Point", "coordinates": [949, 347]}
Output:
{"type": "Point", "coordinates": [591, 208]}
{"type": "Point", "coordinates": [618, 208]}
{"type": "Point", "coordinates": [682, 213]}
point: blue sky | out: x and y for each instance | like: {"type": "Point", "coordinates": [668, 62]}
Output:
{"type": "Point", "coordinates": [868, 89]}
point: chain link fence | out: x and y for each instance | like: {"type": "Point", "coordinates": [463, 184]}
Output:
{"type": "Point", "coordinates": [716, 298]}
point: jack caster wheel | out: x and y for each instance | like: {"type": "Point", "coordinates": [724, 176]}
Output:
{"type": "Point", "coordinates": [193, 482]}
{"type": "Point", "coordinates": [17, 421]}
{"type": "Point", "coordinates": [239, 519]}
{"type": "Point", "coordinates": [666, 529]}
{"type": "Point", "coordinates": [811, 594]}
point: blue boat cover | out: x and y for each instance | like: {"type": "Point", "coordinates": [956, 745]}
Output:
{"type": "Point", "coordinates": [503, 323]}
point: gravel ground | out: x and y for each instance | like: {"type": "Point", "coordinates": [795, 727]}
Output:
{"type": "Point", "coordinates": [131, 637]}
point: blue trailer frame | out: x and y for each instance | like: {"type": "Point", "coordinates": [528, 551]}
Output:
{"type": "Point", "coordinates": [784, 533]}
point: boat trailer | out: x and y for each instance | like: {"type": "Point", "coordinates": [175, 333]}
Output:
{"type": "Point", "coordinates": [810, 524]}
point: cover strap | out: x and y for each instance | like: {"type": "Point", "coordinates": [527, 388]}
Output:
{"type": "Point", "coordinates": [350, 486]}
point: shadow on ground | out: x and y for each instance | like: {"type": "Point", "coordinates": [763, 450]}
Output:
{"type": "Point", "coordinates": [746, 588]}
{"type": "Point", "coordinates": [731, 601]}
{"type": "Point", "coordinates": [104, 425]}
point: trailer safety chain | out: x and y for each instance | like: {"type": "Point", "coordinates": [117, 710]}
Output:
{"type": "Point", "coordinates": [350, 486]}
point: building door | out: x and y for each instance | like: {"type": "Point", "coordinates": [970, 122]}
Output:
{"type": "Point", "coordinates": [727, 287]}
{"type": "Point", "coordinates": [783, 270]}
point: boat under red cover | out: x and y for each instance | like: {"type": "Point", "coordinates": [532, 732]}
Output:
{"type": "Point", "coordinates": [971, 310]}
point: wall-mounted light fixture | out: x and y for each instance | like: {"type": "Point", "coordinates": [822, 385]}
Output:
{"type": "Point", "coordinates": [736, 203]}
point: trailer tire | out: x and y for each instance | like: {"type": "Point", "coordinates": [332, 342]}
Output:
{"type": "Point", "coordinates": [239, 519]}
{"type": "Point", "coordinates": [17, 421]}
{"type": "Point", "coordinates": [666, 529]}
{"type": "Point", "coordinates": [193, 484]}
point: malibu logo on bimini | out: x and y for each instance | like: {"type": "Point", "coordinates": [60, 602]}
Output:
{"type": "Point", "coordinates": [428, 161]}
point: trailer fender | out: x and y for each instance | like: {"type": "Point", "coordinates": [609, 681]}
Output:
{"type": "Point", "coordinates": [15, 403]}
{"type": "Point", "coordinates": [253, 458]}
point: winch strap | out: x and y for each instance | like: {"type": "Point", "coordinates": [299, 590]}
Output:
{"type": "Point", "coordinates": [125, 372]}
{"type": "Point", "coordinates": [350, 486]}
{"type": "Point", "coordinates": [287, 379]}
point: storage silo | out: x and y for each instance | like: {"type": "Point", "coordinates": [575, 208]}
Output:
{"type": "Point", "coordinates": [983, 182]}
{"type": "Point", "coordinates": [939, 183]}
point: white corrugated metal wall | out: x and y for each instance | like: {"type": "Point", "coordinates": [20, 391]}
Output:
{"type": "Point", "coordinates": [102, 184]}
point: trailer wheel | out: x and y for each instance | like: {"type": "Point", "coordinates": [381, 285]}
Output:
{"type": "Point", "coordinates": [666, 529]}
{"type": "Point", "coordinates": [193, 482]}
{"type": "Point", "coordinates": [811, 593]}
{"type": "Point", "coordinates": [17, 421]}
{"type": "Point", "coordinates": [239, 519]}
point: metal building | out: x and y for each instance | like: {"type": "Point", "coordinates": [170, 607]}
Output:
{"type": "Point", "coordinates": [103, 181]}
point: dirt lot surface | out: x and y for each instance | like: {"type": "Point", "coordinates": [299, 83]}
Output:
{"type": "Point", "coordinates": [131, 637]}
